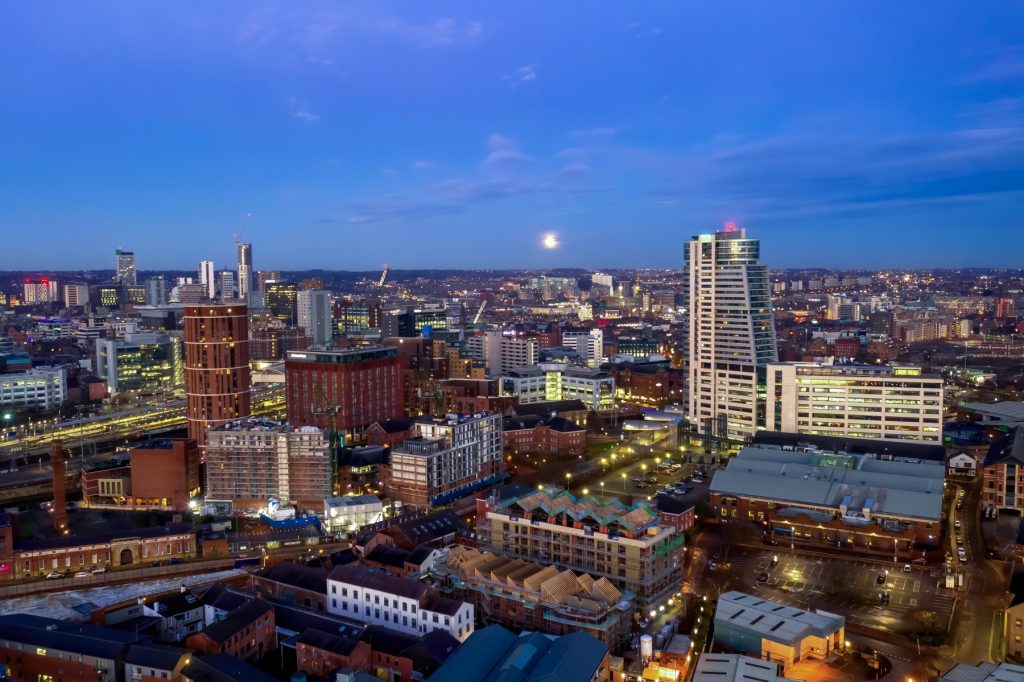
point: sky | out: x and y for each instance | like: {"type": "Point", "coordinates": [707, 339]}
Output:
{"type": "Point", "coordinates": [338, 135]}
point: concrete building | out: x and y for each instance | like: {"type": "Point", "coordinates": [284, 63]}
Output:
{"type": "Point", "coordinates": [887, 402]}
{"type": "Point", "coordinates": [76, 295]}
{"type": "Point", "coordinates": [553, 381]}
{"type": "Point", "coordinates": [589, 345]}
{"type": "Point", "coordinates": [502, 352]}
{"type": "Point", "coordinates": [254, 460]}
{"type": "Point", "coordinates": [736, 668]}
{"type": "Point", "coordinates": [855, 502]}
{"type": "Point", "coordinates": [44, 388]}
{"type": "Point", "coordinates": [352, 388]}
{"type": "Point", "coordinates": [447, 458]}
{"type": "Point", "coordinates": [217, 379]}
{"type": "Point", "coordinates": [523, 595]}
{"type": "Point", "coordinates": [352, 512]}
{"type": "Point", "coordinates": [244, 271]}
{"type": "Point", "coordinates": [208, 279]}
{"type": "Point", "coordinates": [148, 362]}
{"type": "Point", "coordinates": [126, 268]}
{"type": "Point", "coordinates": [407, 606]}
{"type": "Point", "coordinates": [314, 315]}
{"type": "Point", "coordinates": [731, 331]}
{"type": "Point", "coordinates": [774, 632]}
{"type": "Point", "coordinates": [39, 291]}
{"type": "Point", "coordinates": [156, 291]}
{"type": "Point", "coordinates": [629, 546]}
{"type": "Point", "coordinates": [226, 285]}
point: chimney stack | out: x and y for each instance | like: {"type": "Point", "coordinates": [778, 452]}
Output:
{"type": "Point", "coordinates": [60, 505]}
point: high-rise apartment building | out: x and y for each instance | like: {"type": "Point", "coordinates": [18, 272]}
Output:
{"type": "Point", "coordinates": [244, 271]}
{"type": "Point", "coordinates": [447, 458]}
{"type": "Point", "coordinates": [280, 299]}
{"type": "Point", "coordinates": [264, 276]}
{"type": "Point", "coordinates": [589, 345]}
{"type": "Point", "coordinates": [37, 291]}
{"type": "Point", "coordinates": [156, 290]}
{"type": "Point", "coordinates": [502, 351]}
{"type": "Point", "coordinates": [731, 331]}
{"type": "Point", "coordinates": [76, 295]}
{"type": "Point", "coordinates": [252, 461]}
{"type": "Point", "coordinates": [314, 308]}
{"type": "Point", "coordinates": [126, 268]}
{"type": "Point", "coordinates": [208, 279]}
{"type": "Point", "coordinates": [885, 402]}
{"type": "Point", "coordinates": [353, 388]}
{"type": "Point", "coordinates": [217, 378]}
{"type": "Point", "coordinates": [226, 284]}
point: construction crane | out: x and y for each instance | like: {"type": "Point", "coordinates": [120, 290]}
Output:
{"type": "Point", "coordinates": [336, 441]}
{"type": "Point", "coordinates": [483, 304]}
{"type": "Point", "coordinates": [383, 276]}
{"type": "Point", "coordinates": [238, 235]}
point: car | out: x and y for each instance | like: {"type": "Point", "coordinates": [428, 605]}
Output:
{"type": "Point", "coordinates": [907, 568]}
{"type": "Point", "coordinates": [957, 524]}
{"type": "Point", "coordinates": [920, 561]}
{"type": "Point", "coordinates": [176, 560]}
{"type": "Point", "coordinates": [82, 574]}
{"type": "Point", "coordinates": [636, 479]}
{"type": "Point", "coordinates": [98, 570]}
{"type": "Point", "coordinates": [712, 565]}
{"type": "Point", "coordinates": [959, 506]}
{"type": "Point", "coordinates": [54, 575]}
{"type": "Point", "coordinates": [640, 485]}
{"type": "Point", "coordinates": [762, 577]}
{"type": "Point", "coordinates": [959, 541]}
{"type": "Point", "coordinates": [880, 580]}
{"type": "Point", "coordinates": [652, 479]}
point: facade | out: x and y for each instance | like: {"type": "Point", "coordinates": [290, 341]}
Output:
{"type": "Point", "coordinates": [627, 545]}
{"type": "Point", "coordinates": [76, 295]}
{"type": "Point", "coordinates": [321, 653]}
{"type": "Point", "coordinates": [407, 606]}
{"type": "Point", "coordinates": [217, 379]}
{"type": "Point", "coordinates": [1003, 474]}
{"type": "Point", "coordinates": [314, 315]}
{"type": "Point", "coordinates": [350, 513]}
{"type": "Point", "coordinates": [208, 279]}
{"type": "Point", "coordinates": [254, 460]}
{"type": "Point", "coordinates": [226, 284]}
{"type": "Point", "coordinates": [731, 331]}
{"type": "Point", "coordinates": [589, 345]}
{"type": "Point", "coordinates": [142, 361]}
{"type": "Point", "coordinates": [274, 343]}
{"type": "Point", "coordinates": [38, 291]}
{"type": "Point", "coordinates": [823, 500]}
{"type": "Point", "coordinates": [126, 268]}
{"type": "Point", "coordinates": [44, 388]}
{"type": "Point", "coordinates": [523, 595]}
{"type": "Point", "coordinates": [502, 352]}
{"type": "Point", "coordinates": [552, 381]}
{"type": "Point", "coordinates": [280, 299]}
{"type": "Point", "coordinates": [165, 473]}
{"type": "Point", "coordinates": [554, 435]}
{"type": "Point", "coordinates": [246, 633]}
{"type": "Point", "coordinates": [887, 402]}
{"type": "Point", "coordinates": [156, 290]}
{"type": "Point", "coordinates": [448, 457]}
{"type": "Point", "coordinates": [244, 271]}
{"type": "Point", "coordinates": [774, 632]}
{"type": "Point", "coordinates": [352, 388]}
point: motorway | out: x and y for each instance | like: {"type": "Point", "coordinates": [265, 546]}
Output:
{"type": "Point", "coordinates": [120, 427]}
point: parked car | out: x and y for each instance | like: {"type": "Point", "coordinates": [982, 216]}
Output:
{"type": "Point", "coordinates": [880, 580]}
{"type": "Point", "coordinates": [54, 575]}
{"type": "Point", "coordinates": [176, 560]}
{"type": "Point", "coordinates": [907, 568]}
{"type": "Point", "coordinates": [762, 577]}
{"type": "Point", "coordinates": [920, 561]}
{"type": "Point", "coordinates": [82, 574]}
{"type": "Point", "coordinates": [98, 570]}
{"type": "Point", "coordinates": [957, 524]}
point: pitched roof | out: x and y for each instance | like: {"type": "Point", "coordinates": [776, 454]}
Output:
{"type": "Point", "coordinates": [388, 555]}
{"type": "Point", "coordinates": [103, 537]}
{"type": "Point", "coordinates": [432, 526]}
{"type": "Point", "coordinates": [297, 575]}
{"type": "Point", "coordinates": [222, 630]}
{"type": "Point", "coordinates": [329, 641]}
{"type": "Point", "coordinates": [223, 668]}
{"type": "Point", "coordinates": [50, 633]}
{"type": "Point", "coordinates": [155, 656]}
{"type": "Point", "coordinates": [382, 581]}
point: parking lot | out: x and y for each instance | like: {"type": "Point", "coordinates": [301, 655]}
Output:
{"type": "Point", "coordinates": [845, 586]}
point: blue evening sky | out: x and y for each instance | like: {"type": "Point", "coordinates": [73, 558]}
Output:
{"type": "Point", "coordinates": [456, 134]}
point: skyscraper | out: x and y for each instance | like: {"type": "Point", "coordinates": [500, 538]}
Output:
{"type": "Point", "coordinates": [280, 299]}
{"type": "Point", "coordinates": [244, 271]}
{"type": "Point", "coordinates": [126, 268]}
{"type": "Point", "coordinates": [208, 279]}
{"type": "Point", "coordinates": [226, 284]}
{"type": "Point", "coordinates": [314, 314]}
{"type": "Point", "coordinates": [731, 331]}
{"type": "Point", "coordinates": [156, 290]}
{"type": "Point", "coordinates": [217, 377]}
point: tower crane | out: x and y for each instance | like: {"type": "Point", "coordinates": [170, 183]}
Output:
{"type": "Point", "coordinates": [383, 276]}
{"type": "Point", "coordinates": [336, 440]}
{"type": "Point", "coordinates": [483, 304]}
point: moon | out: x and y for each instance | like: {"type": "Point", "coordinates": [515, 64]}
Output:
{"type": "Point", "coordinates": [550, 241]}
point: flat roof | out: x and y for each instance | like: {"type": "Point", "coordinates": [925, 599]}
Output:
{"type": "Point", "coordinates": [1004, 409]}
{"type": "Point", "coordinates": [772, 620]}
{"type": "Point", "coordinates": [866, 446]}
{"type": "Point", "coordinates": [984, 672]}
{"type": "Point", "coordinates": [735, 668]}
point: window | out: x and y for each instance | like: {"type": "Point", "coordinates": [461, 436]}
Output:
{"type": "Point", "coordinates": [334, 590]}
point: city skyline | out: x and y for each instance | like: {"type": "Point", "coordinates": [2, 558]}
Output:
{"type": "Point", "coordinates": [859, 128]}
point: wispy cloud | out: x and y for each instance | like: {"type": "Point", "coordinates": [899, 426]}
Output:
{"type": "Point", "coordinates": [1007, 64]}
{"type": "Point", "coordinates": [503, 153]}
{"type": "Point", "coordinates": [524, 74]}
{"type": "Point", "coordinates": [444, 31]}
{"type": "Point", "coordinates": [396, 209]}
{"type": "Point", "coordinates": [421, 164]}
{"type": "Point", "coordinates": [596, 133]}
{"type": "Point", "coordinates": [301, 110]}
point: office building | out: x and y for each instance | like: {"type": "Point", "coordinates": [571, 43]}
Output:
{"type": "Point", "coordinates": [630, 546]}
{"type": "Point", "coordinates": [887, 402]}
{"type": "Point", "coordinates": [156, 290]}
{"type": "Point", "coordinates": [39, 291]}
{"type": "Point", "coordinates": [264, 276]}
{"type": "Point", "coordinates": [501, 352]}
{"type": "Point", "coordinates": [43, 388]}
{"type": "Point", "coordinates": [252, 461]}
{"type": "Point", "coordinates": [411, 607]}
{"type": "Point", "coordinates": [772, 631]}
{"type": "Point", "coordinates": [589, 345]}
{"type": "Point", "coordinates": [244, 271]}
{"type": "Point", "coordinates": [730, 335]}
{"type": "Point", "coordinates": [148, 362]}
{"type": "Point", "coordinates": [523, 595]}
{"type": "Point", "coordinates": [352, 388]}
{"type": "Point", "coordinates": [217, 379]}
{"type": "Point", "coordinates": [314, 315]}
{"type": "Point", "coordinates": [595, 388]}
{"type": "Point", "coordinates": [273, 343]}
{"type": "Point", "coordinates": [828, 500]}
{"type": "Point", "coordinates": [108, 295]}
{"type": "Point", "coordinates": [125, 268]}
{"type": "Point", "coordinates": [76, 295]}
{"type": "Point", "coordinates": [280, 299]}
{"type": "Point", "coordinates": [189, 293]}
{"type": "Point", "coordinates": [226, 284]}
{"type": "Point", "coordinates": [165, 473]}
{"type": "Point", "coordinates": [208, 279]}
{"type": "Point", "coordinates": [447, 458]}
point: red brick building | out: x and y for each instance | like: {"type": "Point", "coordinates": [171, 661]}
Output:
{"type": "Point", "coordinates": [648, 385]}
{"type": "Point", "coordinates": [358, 386]}
{"type": "Point", "coordinates": [321, 653]}
{"type": "Point", "coordinates": [291, 583]}
{"type": "Point", "coordinates": [246, 633]}
{"type": "Point", "coordinates": [165, 473]}
{"type": "Point", "coordinates": [217, 379]}
{"type": "Point", "coordinates": [552, 435]}
{"type": "Point", "coordinates": [389, 432]}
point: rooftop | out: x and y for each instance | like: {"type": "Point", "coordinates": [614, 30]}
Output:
{"type": "Point", "coordinates": [984, 672]}
{"type": "Point", "coordinates": [880, 449]}
{"type": "Point", "coordinates": [635, 518]}
{"type": "Point", "coordinates": [771, 620]}
{"type": "Point", "coordinates": [735, 668]}
{"type": "Point", "coordinates": [226, 628]}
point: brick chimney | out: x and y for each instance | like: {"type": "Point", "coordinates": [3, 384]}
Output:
{"type": "Point", "coordinates": [60, 506]}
